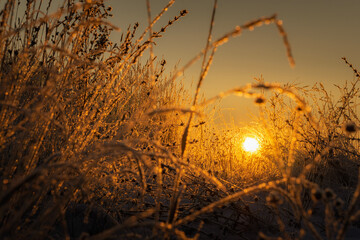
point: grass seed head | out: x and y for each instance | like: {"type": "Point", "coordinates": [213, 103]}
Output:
{"type": "Point", "coordinates": [316, 194]}
{"type": "Point", "coordinates": [339, 203]}
{"type": "Point", "coordinates": [260, 100]}
{"type": "Point", "coordinates": [350, 127]}
{"type": "Point", "coordinates": [329, 194]}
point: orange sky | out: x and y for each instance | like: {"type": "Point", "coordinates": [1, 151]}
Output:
{"type": "Point", "coordinates": [320, 33]}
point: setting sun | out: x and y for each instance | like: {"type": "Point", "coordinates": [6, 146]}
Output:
{"type": "Point", "coordinates": [250, 144]}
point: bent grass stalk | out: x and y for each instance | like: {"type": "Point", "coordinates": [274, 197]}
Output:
{"type": "Point", "coordinates": [79, 127]}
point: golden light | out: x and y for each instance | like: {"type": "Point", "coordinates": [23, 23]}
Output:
{"type": "Point", "coordinates": [250, 144]}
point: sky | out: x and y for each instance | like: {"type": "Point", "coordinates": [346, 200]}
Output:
{"type": "Point", "coordinates": [320, 33]}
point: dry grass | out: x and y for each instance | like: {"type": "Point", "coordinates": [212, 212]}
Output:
{"type": "Point", "coordinates": [96, 144]}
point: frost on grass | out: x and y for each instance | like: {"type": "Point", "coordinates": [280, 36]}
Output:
{"type": "Point", "coordinates": [96, 142]}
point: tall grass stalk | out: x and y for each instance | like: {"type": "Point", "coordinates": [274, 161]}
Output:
{"type": "Point", "coordinates": [97, 142]}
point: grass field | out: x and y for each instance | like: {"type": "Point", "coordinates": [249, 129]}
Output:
{"type": "Point", "coordinates": [97, 142]}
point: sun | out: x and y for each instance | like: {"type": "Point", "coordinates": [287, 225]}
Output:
{"type": "Point", "coordinates": [250, 144]}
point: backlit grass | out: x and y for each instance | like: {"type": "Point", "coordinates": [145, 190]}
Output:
{"type": "Point", "coordinates": [97, 142]}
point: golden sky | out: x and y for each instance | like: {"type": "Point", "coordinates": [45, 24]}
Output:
{"type": "Point", "coordinates": [320, 33]}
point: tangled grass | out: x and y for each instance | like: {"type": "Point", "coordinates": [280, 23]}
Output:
{"type": "Point", "coordinates": [95, 144]}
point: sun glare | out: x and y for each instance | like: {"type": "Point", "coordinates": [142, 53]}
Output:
{"type": "Point", "coordinates": [250, 144]}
